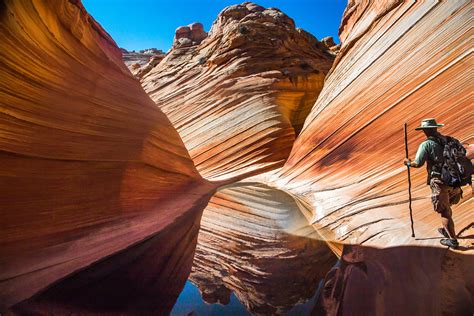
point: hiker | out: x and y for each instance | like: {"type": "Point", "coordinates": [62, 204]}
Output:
{"type": "Point", "coordinates": [448, 169]}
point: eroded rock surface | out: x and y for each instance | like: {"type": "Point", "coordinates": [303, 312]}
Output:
{"type": "Point", "coordinates": [141, 62]}
{"type": "Point", "coordinates": [255, 242]}
{"type": "Point", "coordinates": [98, 190]}
{"type": "Point", "coordinates": [240, 95]}
{"type": "Point", "coordinates": [88, 164]}
{"type": "Point", "coordinates": [347, 162]}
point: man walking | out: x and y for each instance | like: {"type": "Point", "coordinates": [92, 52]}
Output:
{"type": "Point", "coordinates": [442, 194]}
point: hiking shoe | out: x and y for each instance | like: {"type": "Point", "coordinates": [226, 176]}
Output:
{"type": "Point", "coordinates": [450, 242]}
{"type": "Point", "coordinates": [443, 232]}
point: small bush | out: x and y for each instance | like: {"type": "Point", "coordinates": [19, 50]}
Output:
{"type": "Point", "coordinates": [243, 29]}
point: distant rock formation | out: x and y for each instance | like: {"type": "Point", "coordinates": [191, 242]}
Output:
{"type": "Point", "coordinates": [89, 166]}
{"type": "Point", "coordinates": [331, 46]}
{"type": "Point", "coordinates": [141, 62]}
{"type": "Point", "coordinates": [240, 95]}
{"type": "Point", "coordinates": [190, 35]}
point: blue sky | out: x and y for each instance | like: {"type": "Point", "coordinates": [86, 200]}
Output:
{"type": "Point", "coordinates": [140, 24]}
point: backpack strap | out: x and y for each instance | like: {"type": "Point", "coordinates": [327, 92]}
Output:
{"type": "Point", "coordinates": [439, 140]}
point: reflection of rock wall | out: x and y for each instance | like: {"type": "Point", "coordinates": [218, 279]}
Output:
{"type": "Point", "coordinates": [399, 61]}
{"type": "Point", "coordinates": [88, 164]}
{"type": "Point", "coordinates": [144, 279]}
{"type": "Point", "coordinates": [254, 242]}
{"type": "Point", "coordinates": [238, 97]}
{"type": "Point", "coordinates": [399, 281]}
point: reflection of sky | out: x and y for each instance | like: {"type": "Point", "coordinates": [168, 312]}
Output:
{"type": "Point", "coordinates": [190, 300]}
{"type": "Point", "coordinates": [305, 308]}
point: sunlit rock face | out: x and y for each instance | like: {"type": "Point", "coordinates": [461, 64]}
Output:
{"type": "Point", "coordinates": [88, 164]}
{"type": "Point", "coordinates": [239, 95]}
{"type": "Point", "coordinates": [141, 62]}
{"type": "Point", "coordinates": [400, 61]}
{"type": "Point", "coordinates": [255, 242]}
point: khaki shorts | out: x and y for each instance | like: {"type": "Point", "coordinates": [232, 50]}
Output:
{"type": "Point", "coordinates": [444, 196]}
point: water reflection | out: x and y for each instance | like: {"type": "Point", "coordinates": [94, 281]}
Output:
{"type": "Point", "coordinates": [190, 301]}
{"type": "Point", "coordinates": [256, 254]}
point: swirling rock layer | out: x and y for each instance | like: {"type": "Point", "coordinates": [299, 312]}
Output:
{"type": "Point", "coordinates": [255, 242]}
{"type": "Point", "coordinates": [347, 161]}
{"type": "Point", "coordinates": [88, 164]}
{"type": "Point", "coordinates": [400, 61]}
{"type": "Point", "coordinates": [238, 96]}
{"type": "Point", "coordinates": [143, 279]}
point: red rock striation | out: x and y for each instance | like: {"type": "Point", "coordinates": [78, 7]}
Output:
{"type": "Point", "coordinates": [400, 61]}
{"type": "Point", "coordinates": [141, 62]}
{"type": "Point", "coordinates": [255, 242]}
{"type": "Point", "coordinates": [97, 185]}
{"type": "Point", "coordinates": [88, 164]}
{"type": "Point", "coordinates": [347, 162]}
{"type": "Point", "coordinates": [238, 96]}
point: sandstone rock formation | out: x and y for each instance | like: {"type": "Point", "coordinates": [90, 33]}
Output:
{"type": "Point", "coordinates": [329, 43]}
{"type": "Point", "coordinates": [239, 96]}
{"type": "Point", "coordinates": [141, 57]}
{"type": "Point", "coordinates": [398, 281]}
{"type": "Point", "coordinates": [140, 63]}
{"type": "Point", "coordinates": [190, 35]}
{"type": "Point", "coordinates": [100, 198]}
{"type": "Point", "coordinates": [255, 242]}
{"type": "Point", "coordinates": [347, 162]}
{"type": "Point", "coordinates": [88, 164]}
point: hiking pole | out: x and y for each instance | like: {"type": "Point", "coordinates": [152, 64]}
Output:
{"type": "Point", "coordinates": [409, 183]}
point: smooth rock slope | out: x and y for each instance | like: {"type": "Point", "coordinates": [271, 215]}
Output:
{"type": "Point", "coordinates": [88, 163]}
{"type": "Point", "coordinates": [347, 161]}
{"type": "Point", "coordinates": [400, 61]}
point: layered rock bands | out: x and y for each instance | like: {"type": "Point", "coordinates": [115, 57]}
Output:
{"type": "Point", "coordinates": [89, 165]}
{"type": "Point", "coordinates": [400, 61]}
{"type": "Point", "coordinates": [256, 243]}
{"type": "Point", "coordinates": [239, 95]}
{"type": "Point", "coordinates": [100, 195]}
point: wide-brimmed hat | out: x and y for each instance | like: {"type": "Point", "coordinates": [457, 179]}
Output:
{"type": "Point", "coordinates": [429, 123]}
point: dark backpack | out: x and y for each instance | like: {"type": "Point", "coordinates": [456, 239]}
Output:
{"type": "Point", "coordinates": [455, 169]}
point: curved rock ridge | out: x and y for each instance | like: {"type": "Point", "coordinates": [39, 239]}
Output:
{"type": "Point", "coordinates": [88, 164]}
{"type": "Point", "coordinates": [255, 242]}
{"type": "Point", "coordinates": [347, 161]}
{"type": "Point", "coordinates": [144, 279]}
{"type": "Point", "coordinates": [239, 97]}
{"type": "Point", "coordinates": [346, 165]}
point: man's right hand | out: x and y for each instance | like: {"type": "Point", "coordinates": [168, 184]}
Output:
{"type": "Point", "coordinates": [407, 162]}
